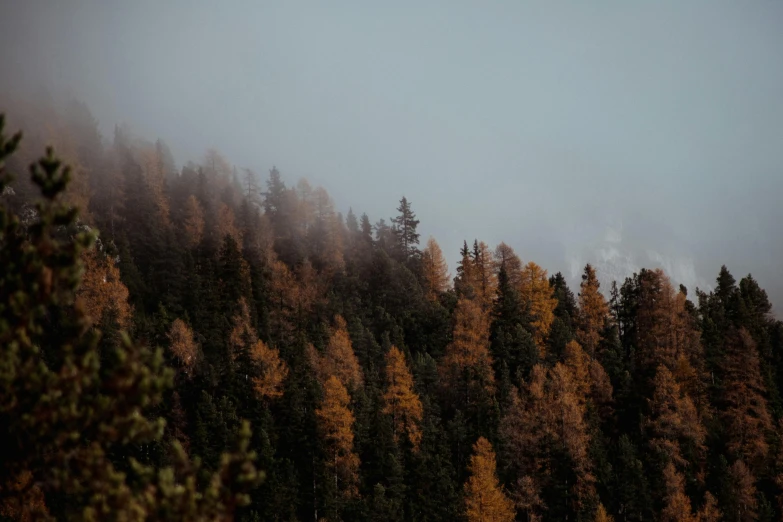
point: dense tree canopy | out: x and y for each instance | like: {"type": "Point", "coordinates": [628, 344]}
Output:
{"type": "Point", "coordinates": [376, 389]}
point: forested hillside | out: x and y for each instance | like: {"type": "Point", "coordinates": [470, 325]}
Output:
{"type": "Point", "coordinates": [377, 385]}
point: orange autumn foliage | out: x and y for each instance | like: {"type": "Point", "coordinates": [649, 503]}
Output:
{"type": "Point", "coordinates": [193, 226]}
{"type": "Point", "coordinates": [548, 412]}
{"type": "Point", "coordinates": [335, 422]}
{"type": "Point", "coordinates": [183, 345]}
{"type": "Point", "coordinates": [466, 367]}
{"type": "Point", "coordinates": [593, 311]}
{"type": "Point", "coordinates": [434, 270]}
{"type": "Point", "coordinates": [338, 359]}
{"type": "Point", "coordinates": [673, 422]}
{"type": "Point", "coordinates": [400, 401]}
{"type": "Point", "coordinates": [272, 371]}
{"type": "Point", "coordinates": [102, 291]}
{"type": "Point", "coordinates": [538, 297]}
{"type": "Point", "coordinates": [601, 515]}
{"type": "Point", "coordinates": [485, 500]}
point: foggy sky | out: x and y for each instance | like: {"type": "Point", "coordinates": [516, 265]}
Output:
{"type": "Point", "coordinates": [566, 129]}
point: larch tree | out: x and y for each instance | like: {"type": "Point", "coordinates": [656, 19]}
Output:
{"type": "Point", "coordinates": [544, 423]}
{"type": "Point", "coordinates": [466, 367]}
{"type": "Point", "coordinates": [339, 358]}
{"type": "Point", "coordinates": [243, 335]}
{"type": "Point", "coordinates": [152, 164]}
{"type": "Point", "coordinates": [485, 500]}
{"type": "Point", "coordinates": [536, 294]}
{"type": "Point", "coordinates": [505, 256]}
{"type": "Point", "coordinates": [593, 311]}
{"type": "Point", "coordinates": [434, 270]}
{"type": "Point", "coordinates": [335, 421]}
{"type": "Point", "coordinates": [182, 345]}
{"type": "Point", "coordinates": [400, 400]}
{"type": "Point", "coordinates": [741, 500]}
{"type": "Point", "coordinates": [226, 224]}
{"type": "Point", "coordinates": [193, 225]}
{"type": "Point", "coordinates": [744, 414]}
{"type": "Point", "coordinates": [677, 505]}
{"type": "Point", "coordinates": [271, 371]}
{"type": "Point", "coordinates": [601, 514]}
{"type": "Point", "coordinates": [484, 276]}
{"type": "Point", "coordinates": [102, 292]}
{"type": "Point", "coordinates": [673, 426]}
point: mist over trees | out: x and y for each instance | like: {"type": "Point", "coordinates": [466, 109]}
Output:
{"type": "Point", "coordinates": [362, 379]}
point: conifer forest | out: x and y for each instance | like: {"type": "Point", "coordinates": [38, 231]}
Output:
{"type": "Point", "coordinates": [424, 261]}
{"type": "Point", "coordinates": [205, 343]}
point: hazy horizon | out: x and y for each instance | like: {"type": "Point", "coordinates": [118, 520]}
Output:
{"type": "Point", "coordinates": [632, 135]}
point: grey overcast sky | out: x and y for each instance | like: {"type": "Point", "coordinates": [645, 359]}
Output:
{"type": "Point", "coordinates": [628, 134]}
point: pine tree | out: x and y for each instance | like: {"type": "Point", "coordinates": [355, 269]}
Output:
{"type": "Point", "coordinates": [405, 231]}
{"type": "Point", "coordinates": [485, 500]}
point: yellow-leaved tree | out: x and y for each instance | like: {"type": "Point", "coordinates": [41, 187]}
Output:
{"type": "Point", "coordinates": [466, 367]}
{"type": "Point", "coordinates": [400, 401]}
{"type": "Point", "coordinates": [538, 297]}
{"type": "Point", "coordinates": [434, 270]}
{"type": "Point", "coordinates": [102, 292]}
{"type": "Point", "coordinates": [593, 311]}
{"type": "Point", "coordinates": [338, 359]}
{"type": "Point", "coordinates": [335, 421]}
{"type": "Point", "coordinates": [485, 500]}
{"type": "Point", "coordinates": [182, 345]}
{"type": "Point", "coordinates": [271, 371]}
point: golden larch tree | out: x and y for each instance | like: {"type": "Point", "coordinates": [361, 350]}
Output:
{"type": "Point", "coordinates": [590, 378]}
{"type": "Point", "coordinates": [538, 297]}
{"type": "Point", "coordinates": [338, 358]}
{"type": "Point", "coordinates": [742, 504]}
{"type": "Point", "coordinates": [243, 335]}
{"type": "Point", "coordinates": [677, 505]}
{"type": "Point", "coordinates": [183, 345]}
{"type": "Point", "coordinates": [226, 225]}
{"type": "Point", "coordinates": [466, 366]}
{"type": "Point", "coordinates": [745, 416]}
{"type": "Point", "coordinates": [601, 515]}
{"type": "Point", "coordinates": [593, 311]}
{"type": "Point", "coordinates": [485, 500]}
{"type": "Point", "coordinates": [272, 371]}
{"type": "Point", "coordinates": [434, 270]}
{"type": "Point", "coordinates": [400, 401]}
{"type": "Point", "coordinates": [152, 166]}
{"type": "Point", "coordinates": [484, 277]}
{"type": "Point", "coordinates": [335, 421]}
{"type": "Point", "coordinates": [505, 256]}
{"type": "Point", "coordinates": [545, 417]}
{"type": "Point", "coordinates": [102, 290]}
{"type": "Point", "coordinates": [193, 225]}
{"type": "Point", "coordinates": [673, 422]}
